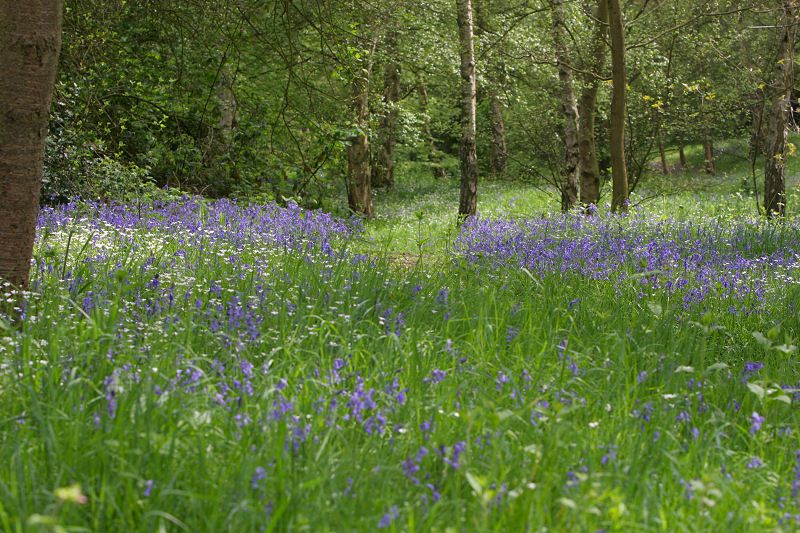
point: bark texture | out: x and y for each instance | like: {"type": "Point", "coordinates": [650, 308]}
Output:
{"type": "Point", "coordinates": [587, 141]}
{"type": "Point", "coordinates": [569, 110]}
{"type": "Point", "coordinates": [359, 187]}
{"type": "Point", "coordinates": [468, 202]}
{"type": "Point", "coordinates": [775, 160]}
{"type": "Point", "coordinates": [383, 175]}
{"type": "Point", "coordinates": [619, 172]}
{"type": "Point", "coordinates": [30, 41]}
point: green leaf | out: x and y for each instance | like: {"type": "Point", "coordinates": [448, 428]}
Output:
{"type": "Point", "coordinates": [655, 308]}
{"type": "Point", "coordinates": [757, 389]}
{"type": "Point", "coordinates": [762, 340]}
{"type": "Point", "coordinates": [718, 366]}
{"type": "Point", "coordinates": [476, 482]}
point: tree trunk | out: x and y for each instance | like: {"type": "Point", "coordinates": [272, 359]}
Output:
{"type": "Point", "coordinates": [587, 141]}
{"type": "Point", "coordinates": [30, 41]}
{"type": "Point", "coordinates": [227, 108]}
{"type": "Point", "coordinates": [569, 109]}
{"type": "Point", "coordinates": [708, 154]}
{"type": "Point", "coordinates": [490, 88]}
{"type": "Point", "coordinates": [468, 201]}
{"type": "Point", "coordinates": [619, 173]}
{"type": "Point", "coordinates": [662, 153]}
{"type": "Point", "coordinates": [387, 132]}
{"type": "Point", "coordinates": [359, 189]}
{"type": "Point", "coordinates": [681, 155]}
{"type": "Point", "coordinates": [220, 134]}
{"type": "Point", "coordinates": [757, 104]}
{"type": "Point", "coordinates": [499, 148]}
{"type": "Point", "coordinates": [775, 160]}
{"type": "Point", "coordinates": [434, 157]}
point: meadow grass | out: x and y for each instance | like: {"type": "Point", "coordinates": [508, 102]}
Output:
{"type": "Point", "coordinates": [212, 367]}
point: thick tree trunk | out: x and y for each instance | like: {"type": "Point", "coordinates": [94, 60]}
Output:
{"type": "Point", "coordinates": [569, 109]}
{"type": "Point", "coordinates": [468, 201]}
{"type": "Point", "coordinates": [775, 160]}
{"type": "Point", "coordinates": [434, 156]}
{"type": "Point", "coordinates": [359, 188]}
{"type": "Point", "coordinates": [499, 148]}
{"type": "Point", "coordinates": [619, 172]}
{"type": "Point", "coordinates": [383, 175]}
{"type": "Point", "coordinates": [30, 41]}
{"type": "Point", "coordinates": [587, 142]}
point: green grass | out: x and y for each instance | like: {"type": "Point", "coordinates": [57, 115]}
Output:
{"type": "Point", "coordinates": [568, 393]}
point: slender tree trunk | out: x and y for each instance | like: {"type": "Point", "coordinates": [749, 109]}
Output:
{"type": "Point", "coordinates": [499, 148]}
{"type": "Point", "coordinates": [757, 104]}
{"type": "Point", "coordinates": [359, 189]}
{"type": "Point", "coordinates": [681, 155]}
{"type": "Point", "coordinates": [468, 201]}
{"type": "Point", "coordinates": [434, 156]}
{"type": "Point", "coordinates": [775, 161]}
{"type": "Point", "coordinates": [569, 110]}
{"type": "Point", "coordinates": [662, 154]}
{"type": "Point", "coordinates": [708, 151]}
{"type": "Point", "coordinates": [30, 41]}
{"type": "Point", "coordinates": [387, 133]}
{"type": "Point", "coordinates": [227, 108]}
{"type": "Point", "coordinates": [619, 173]}
{"type": "Point", "coordinates": [587, 141]}
{"type": "Point", "coordinates": [490, 88]}
{"type": "Point", "coordinates": [220, 134]}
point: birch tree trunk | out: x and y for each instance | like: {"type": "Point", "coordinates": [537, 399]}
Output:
{"type": "Point", "coordinates": [468, 201]}
{"type": "Point", "coordinates": [30, 41]}
{"type": "Point", "coordinates": [587, 142]}
{"type": "Point", "coordinates": [775, 160]}
{"type": "Point", "coordinates": [619, 172]}
{"type": "Point", "coordinates": [569, 109]}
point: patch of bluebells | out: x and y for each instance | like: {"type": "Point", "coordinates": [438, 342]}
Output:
{"type": "Point", "coordinates": [290, 227]}
{"type": "Point", "coordinates": [696, 260]}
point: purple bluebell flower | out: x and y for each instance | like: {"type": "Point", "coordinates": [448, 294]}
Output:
{"type": "Point", "coordinates": [259, 474]}
{"type": "Point", "coordinates": [389, 517]}
{"type": "Point", "coordinates": [755, 462]}
{"type": "Point", "coordinates": [756, 421]}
